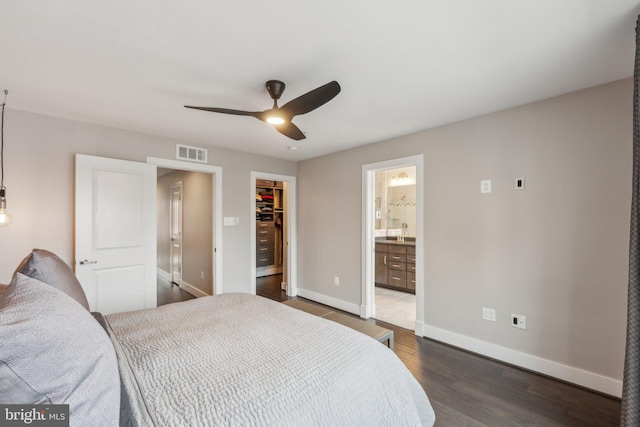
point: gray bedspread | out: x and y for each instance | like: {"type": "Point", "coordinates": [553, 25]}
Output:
{"type": "Point", "coordinates": [243, 360]}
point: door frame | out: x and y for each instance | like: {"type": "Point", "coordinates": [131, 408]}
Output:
{"type": "Point", "coordinates": [368, 241]}
{"type": "Point", "coordinates": [290, 229]}
{"type": "Point", "coordinates": [177, 184]}
{"type": "Point", "coordinates": [216, 176]}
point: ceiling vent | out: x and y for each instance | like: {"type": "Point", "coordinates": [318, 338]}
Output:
{"type": "Point", "coordinates": [193, 154]}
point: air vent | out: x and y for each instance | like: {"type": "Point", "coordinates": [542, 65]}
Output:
{"type": "Point", "coordinates": [193, 154]}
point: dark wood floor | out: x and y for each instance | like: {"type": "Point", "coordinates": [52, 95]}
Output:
{"type": "Point", "coordinates": [470, 390]}
{"type": "Point", "coordinates": [169, 292]}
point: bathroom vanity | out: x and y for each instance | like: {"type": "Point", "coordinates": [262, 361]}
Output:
{"type": "Point", "coordinates": [396, 264]}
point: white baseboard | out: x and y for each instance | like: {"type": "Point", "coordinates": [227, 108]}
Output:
{"type": "Point", "coordinates": [419, 329]}
{"type": "Point", "coordinates": [163, 274]}
{"type": "Point", "coordinates": [330, 301]}
{"type": "Point", "coordinates": [183, 285]}
{"type": "Point", "coordinates": [570, 374]}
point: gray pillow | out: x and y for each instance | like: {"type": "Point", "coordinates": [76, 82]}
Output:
{"type": "Point", "coordinates": [50, 269]}
{"type": "Point", "coordinates": [54, 351]}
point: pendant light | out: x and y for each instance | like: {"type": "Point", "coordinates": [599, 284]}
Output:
{"type": "Point", "coordinates": [5, 216]}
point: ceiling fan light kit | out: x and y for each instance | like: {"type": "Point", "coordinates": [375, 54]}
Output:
{"type": "Point", "coordinates": [281, 117]}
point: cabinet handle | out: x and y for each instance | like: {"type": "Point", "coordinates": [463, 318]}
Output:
{"type": "Point", "coordinates": [263, 259]}
{"type": "Point", "coordinates": [264, 249]}
{"type": "Point", "coordinates": [395, 265]}
{"type": "Point", "coordinates": [395, 278]}
{"type": "Point", "coordinates": [263, 232]}
{"type": "Point", "coordinates": [263, 240]}
{"type": "Point", "coordinates": [413, 281]}
{"type": "Point", "coordinates": [385, 260]}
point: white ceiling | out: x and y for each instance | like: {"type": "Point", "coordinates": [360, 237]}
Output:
{"type": "Point", "coordinates": [403, 66]}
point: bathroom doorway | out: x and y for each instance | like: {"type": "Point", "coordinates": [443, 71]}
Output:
{"type": "Point", "coordinates": [393, 258]}
{"type": "Point", "coordinates": [395, 239]}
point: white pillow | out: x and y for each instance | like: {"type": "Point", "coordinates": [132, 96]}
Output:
{"type": "Point", "coordinates": [53, 351]}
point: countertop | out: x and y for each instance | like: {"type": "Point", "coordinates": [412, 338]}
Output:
{"type": "Point", "coordinates": [393, 241]}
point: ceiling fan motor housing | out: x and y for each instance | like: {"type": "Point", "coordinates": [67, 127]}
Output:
{"type": "Point", "coordinates": [275, 89]}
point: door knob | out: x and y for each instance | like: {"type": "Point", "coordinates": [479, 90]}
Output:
{"type": "Point", "coordinates": [86, 261]}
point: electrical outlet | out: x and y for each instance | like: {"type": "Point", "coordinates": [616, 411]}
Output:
{"type": "Point", "coordinates": [336, 281]}
{"type": "Point", "coordinates": [485, 186]}
{"type": "Point", "coordinates": [489, 314]}
{"type": "Point", "coordinates": [520, 183]}
{"type": "Point", "coordinates": [518, 321]}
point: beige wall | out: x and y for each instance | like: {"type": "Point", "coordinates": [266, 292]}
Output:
{"type": "Point", "coordinates": [197, 233]}
{"type": "Point", "coordinates": [39, 162]}
{"type": "Point", "coordinates": [556, 252]}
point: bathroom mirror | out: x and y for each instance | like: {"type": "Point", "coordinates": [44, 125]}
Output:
{"type": "Point", "coordinates": [395, 203]}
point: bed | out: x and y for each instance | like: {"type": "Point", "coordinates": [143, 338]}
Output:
{"type": "Point", "coordinates": [228, 360]}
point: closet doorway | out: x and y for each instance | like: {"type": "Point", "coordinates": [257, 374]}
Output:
{"type": "Point", "coordinates": [393, 260]}
{"type": "Point", "coordinates": [273, 232]}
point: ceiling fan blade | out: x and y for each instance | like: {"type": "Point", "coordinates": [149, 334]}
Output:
{"type": "Point", "coordinates": [311, 100]}
{"type": "Point", "coordinates": [290, 130]}
{"type": "Point", "coordinates": [255, 114]}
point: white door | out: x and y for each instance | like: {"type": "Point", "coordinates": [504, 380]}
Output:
{"type": "Point", "coordinates": [116, 233]}
{"type": "Point", "coordinates": [175, 221]}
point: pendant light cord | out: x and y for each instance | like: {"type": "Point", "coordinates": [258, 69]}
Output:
{"type": "Point", "coordinates": [2, 141]}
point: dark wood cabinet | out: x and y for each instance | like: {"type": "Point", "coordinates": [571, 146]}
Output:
{"type": "Point", "coordinates": [269, 251]}
{"type": "Point", "coordinates": [396, 266]}
{"type": "Point", "coordinates": [265, 237]}
{"type": "Point", "coordinates": [381, 266]}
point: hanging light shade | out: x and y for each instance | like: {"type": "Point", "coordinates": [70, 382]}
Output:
{"type": "Point", "coordinates": [5, 216]}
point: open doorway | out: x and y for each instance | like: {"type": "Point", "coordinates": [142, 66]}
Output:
{"type": "Point", "coordinates": [185, 229]}
{"type": "Point", "coordinates": [393, 261]}
{"type": "Point", "coordinates": [395, 240]}
{"type": "Point", "coordinates": [199, 273]}
{"type": "Point", "coordinates": [273, 234]}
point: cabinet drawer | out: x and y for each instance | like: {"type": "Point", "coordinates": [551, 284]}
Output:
{"type": "Point", "coordinates": [264, 259]}
{"type": "Point", "coordinates": [398, 278]}
{"type": "Point", "coordinates": [393, 265]}
{"type": "Point", "coordinates": [393, 257]}
{"type": "Point", "coordinates": [264, 233]}
{"type": "Point", "coordinates": [397, 249]}
{"type": "Point", "coordinates": [264, 225]}
{"type": "Point", "coordinates": [411, 267]}
{"type": "Point", "coordinates": [411, 258]}
{"type": "Point", "coordinates": [411, 281]}
{"type": "Point", "coordinates": [411, 250]}
{"type": "Point", "coordinates": [264, 241]}
{"type": "Point", "coordinates": [264, 249]}
{"type": "Point", "coordinates": [381, 247]}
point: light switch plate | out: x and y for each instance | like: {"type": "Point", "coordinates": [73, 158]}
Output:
{"type": "Point", "coordinates": [485, 186]}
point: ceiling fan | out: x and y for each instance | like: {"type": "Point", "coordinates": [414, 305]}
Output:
{"type": "Point", "coordinates": [281, 117]}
